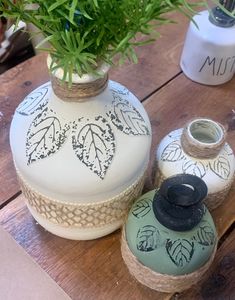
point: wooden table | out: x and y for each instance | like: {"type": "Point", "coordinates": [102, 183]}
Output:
{"type": "Point", "coordinates": [94, 269]}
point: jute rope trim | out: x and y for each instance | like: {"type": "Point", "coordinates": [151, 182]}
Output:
{"type": "Point", "coordinates": [85, 215]}
{"type": "Point", "coordinates": [78, 91]}
{"type": "Point", "coordinates": [212, 200]}
{"type": "Point", "coordinates": [201, 150]}
{"type": "Point", "coordinates": [157, 281]}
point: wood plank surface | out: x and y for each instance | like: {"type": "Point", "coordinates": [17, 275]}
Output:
{"type": "Point", "coordinates": [219, 281]}
{"type": "Point", "coordinates": [178, 102]}
{"type": "Point", "coordinates": [158, 63]}
{"type": "Point", "coordinates": [15, 85]}
{"type": "Point", "coordinates": [84, 269]}
{"type": "Point", "coordinates": [94, 269]}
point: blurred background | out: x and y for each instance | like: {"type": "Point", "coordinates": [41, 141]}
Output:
{"type": "Point", "coordinates": [15, 44]}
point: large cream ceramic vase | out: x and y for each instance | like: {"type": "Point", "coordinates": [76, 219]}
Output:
{"type": "Point", "coordinates": [80, 154]}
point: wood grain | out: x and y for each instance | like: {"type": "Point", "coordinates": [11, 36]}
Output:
{"type": "Point", "coordinates": [219, 282]}
{"type": "Point", "coordinates": [181, 100]}
{"type": "Point", "coordinates": [95, 268]}
{"type": "Point", "coordinates": [15, 85]}
{"type": "Point", "coordinates": [158, 63]}
{"type": "Point", "coordinates": [84, 269]}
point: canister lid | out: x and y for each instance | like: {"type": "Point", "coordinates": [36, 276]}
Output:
{"type": "Point", "coordinates": [219, 17]}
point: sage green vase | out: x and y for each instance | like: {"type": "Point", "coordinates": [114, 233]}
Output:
{"type": "Point", "coordinates": [170, 231]}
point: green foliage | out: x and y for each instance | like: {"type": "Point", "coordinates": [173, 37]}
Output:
{"type": "Point", "coordinates": [83, 32]}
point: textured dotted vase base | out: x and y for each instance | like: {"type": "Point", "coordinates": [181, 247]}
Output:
{"type": "Point", "coordinates": [81, 221]}
{"type": "Point", "coordinates": [74, 233]}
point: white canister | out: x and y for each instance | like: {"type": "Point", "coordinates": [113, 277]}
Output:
{"type": "Point", "coordinates": [208, 55]}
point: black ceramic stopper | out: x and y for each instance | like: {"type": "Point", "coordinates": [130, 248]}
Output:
{"type": "Point", "coordinates": [221, 18]}
{"type": "Point", "coordinates": [178, 203]}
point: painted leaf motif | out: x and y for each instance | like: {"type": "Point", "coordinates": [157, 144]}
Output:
{"type": "Point", "coordinates": [142, 208]}
{"type": "Point", "coordinates": [180, 251]}
{"type": "Point", "coordinates": [176, 134]}
{"type": "Point", "coordinates": [119, 89]}
{"type": "Point", "coordinates": [34, 101]}
{"type": "Point", "coordinates": [221, 167]}
{"type": "Point", "coordinates": [228, 149]}
{"type": "Point", "coordinates": [172, 152]}
{"type": "Point", "coordinates": [45, 136]}
{"type": "Point", "coordinates": [94, 145]}
{"type": "Point", "coordinates": [148, 238]}
{"type": "Point", "coordinates": [205, 235]}
{"type": "Point", "coordinates": [195, 168]}
{"type": "Point", "coordinates": [126, 118]}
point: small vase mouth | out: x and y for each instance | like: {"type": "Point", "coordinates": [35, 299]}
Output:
{"type": "Point", "coordinates": [101, 70]}
{"type": "Point", "coordinates": [205, 132]}
{"type": "Point", "coordinates": [203, 138]}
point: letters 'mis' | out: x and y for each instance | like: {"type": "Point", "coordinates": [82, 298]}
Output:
{"type": "Point", "coordinates": [218, 66]}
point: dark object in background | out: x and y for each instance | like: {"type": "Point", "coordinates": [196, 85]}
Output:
{"type": "Point", "coordinates": [3, 25]}
{"type": "Point", "coordinates": [15, 46]}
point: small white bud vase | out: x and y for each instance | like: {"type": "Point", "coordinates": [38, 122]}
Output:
{"type": "Point", "coordinates": [208, 53]}
{"type": "Point", "coordinates": [81, 153]}
{"type": "Point", "coordinates": [198, 149]}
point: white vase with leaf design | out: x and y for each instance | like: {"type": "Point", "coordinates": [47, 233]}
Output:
{"type": "Point", "coordinates": [199, 149]}
{"type": "Point", "coordinates": [81, 153]}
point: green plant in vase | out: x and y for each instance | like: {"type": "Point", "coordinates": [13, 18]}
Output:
{"type": "Point", "coordinates": [81, 149]}
{"type": "Point", "coordinates": [83, 33]}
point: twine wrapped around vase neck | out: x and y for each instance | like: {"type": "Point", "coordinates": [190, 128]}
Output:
{"type": "Point", "coordinates": [83, 87]}
{"type": "Point", "coordinates": [203, 138]}
{"type": "Point", "coordinates": [78, 92]}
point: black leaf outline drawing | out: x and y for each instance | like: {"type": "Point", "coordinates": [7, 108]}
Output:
{"type": "Point", "coordinates": [172, 152]}
{"type": "Point", "coordinates": [35, 101]}
{"type": "Point", "coordinates": [142, 208]}
{"type": "Point", "coordinates": [119, 89]}
{"type": "Point", "coordinates": [45, 136]}
{"type": "Point", "coordinates": [180, 251]}
{"type": "Point", "coordinates": [205, 234]}
{"type": "Point", "coordinates": [176, 134]}
{"type": "Point", "coordinates": [228, 149]}
{"type": "Point", "coordinates": [148, 238]}
{"type": "Point", "coordinates": [94, 145]}
{"type": "Point", "coordinates": [221, 167]}
{"type": "Point", "coordinates": [196, 168]}
{"type": "Point", "coordinates": [126, 118]}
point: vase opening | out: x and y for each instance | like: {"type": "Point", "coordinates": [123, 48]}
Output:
{"type": "Point", "coordinates": [81, 88]}
{"type": "Point", "coordinates": [205, 131]}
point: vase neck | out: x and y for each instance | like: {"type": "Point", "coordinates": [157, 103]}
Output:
{"type": "Point", "coordinates": [78, 92]}
{"type": "Point", "coordinates": [178, 203]}
{"type": "Point", "coordinates": [203, 138]}
{"type": "Point", "coordinates": [82, 87]}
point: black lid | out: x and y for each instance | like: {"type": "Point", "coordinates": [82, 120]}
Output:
{"type": "Point", "coordinates": [178, 203]}
{"type": "Point", "coordinates": [221, 18]}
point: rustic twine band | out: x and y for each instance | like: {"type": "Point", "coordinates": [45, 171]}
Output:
{"type": "Point", "coordinates": [86, 215]}
{"type": "Point", "coordinates": [198, 149]}
{"type": "Point", "coordinates": [78, 91]}
{"type": "Point", "coordinates": [212, 200]}
{"type": "Point", "coordinates": [157, 281]}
